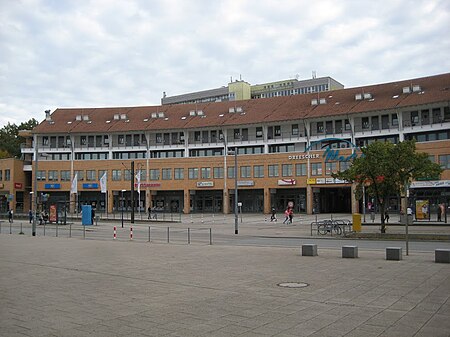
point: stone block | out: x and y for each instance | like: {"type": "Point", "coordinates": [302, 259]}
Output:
{"type": "Point", "coordinates": [394, 253]}
{"type": "Point", "coordinates": [442, 255]}
{"type": "Point", "coordinates": [309, 250]}
{"type": "Point", "coordinates": [350, 252]}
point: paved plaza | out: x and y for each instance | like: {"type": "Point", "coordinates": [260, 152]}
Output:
{"type": "Point", "coordinates": [60, 286]}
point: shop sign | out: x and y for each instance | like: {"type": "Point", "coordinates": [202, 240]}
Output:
{"type": "Point", "coordinates": [304, 156]}
{"type": "Point", "coordinates": [205, 183]}
{"type": "Point", "coordinates": [2, 185]}
{"type": "Point", "coordinates": [284, 182]}
{"type": "Point", "coordinates": [10, 197]}
{"type": "Point", "coordinates": [430, 184]}
{"type": "Point", "coordinates": [246, 183]}
{"type": "Point", "coordinates": [333, 154]}
{"type": "Point", "coordinates": [52, 186]}
{"type": "Point", "coordinates": [320, 181]}
{"type": "Point", "coordinates": [18, 186]}
{"type": "Point", "coordinates": [147, 185]}
{"type": "Point", "coordinates": [311, 181]}
{"type": "Point", "coordinates": [90, 186]}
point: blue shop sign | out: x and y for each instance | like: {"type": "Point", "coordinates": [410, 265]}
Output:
{"type": "Point", "coordinates": [90, 186]}
{"type": "Point", "coordinates": [52, 186]}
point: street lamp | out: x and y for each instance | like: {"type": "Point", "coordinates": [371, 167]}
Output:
{"type": "Point", "coordinates": [122, 206]}
{"type": "Point", "coordinates": [35, 191]}
{"type": "Point", "coordinates": [236, 223]}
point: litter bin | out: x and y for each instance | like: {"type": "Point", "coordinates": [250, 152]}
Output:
{"type": "Point", "coordinates": [356, 220]}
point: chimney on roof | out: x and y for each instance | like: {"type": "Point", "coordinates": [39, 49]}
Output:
{"type": "Point", "coordinates": [164, 94]}
{"type": "Point", "coordinates": [47, 115]}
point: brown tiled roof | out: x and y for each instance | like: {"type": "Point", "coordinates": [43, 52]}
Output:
{"type": "Point", "coordinates": [265, 110]}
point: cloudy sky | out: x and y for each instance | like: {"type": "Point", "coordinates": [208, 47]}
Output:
{"type": "Point", "coordinates": [96, 53]}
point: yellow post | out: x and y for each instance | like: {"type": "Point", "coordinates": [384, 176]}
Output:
{"type": "Point", "coordinates": [356, 219]}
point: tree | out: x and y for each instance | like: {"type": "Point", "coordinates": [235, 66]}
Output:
{"type": "Point", "coordinates": [386, 169]}
{"type": "Point", "coordinates": [10, 140]}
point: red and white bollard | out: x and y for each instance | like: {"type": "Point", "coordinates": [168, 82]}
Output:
{"type": "Point", "coordinates": [115, 233]}
{"type": "Point", "coordinates": [131, 233]}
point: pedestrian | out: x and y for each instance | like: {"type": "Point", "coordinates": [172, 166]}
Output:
{"type": "Point", "coordinates": [30, 215]}
{"type": "Point", "coordinates": [149, 211]}
{"type": "Point", "coordinates": [441, 211]}
{"type": "Point", "coordinates": [273, 217]}
{"type": "Point", "coordinates": [386, 216]}
{"type": "Point", "coordinates": [286, 216]}
{"type": "Point", "coordinates": [291, 215]}
{"type": "Point", "coordinates": [92, 214]}
{"type": "Point", "coordinates": [10, 215]}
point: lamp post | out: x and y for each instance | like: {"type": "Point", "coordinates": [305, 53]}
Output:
{"type": "Point", "coordinates": [236, 222]}
{"type": "Point", "coordinates": [122, 206]}
{"type": "Point", "coordinates": [36, 155]}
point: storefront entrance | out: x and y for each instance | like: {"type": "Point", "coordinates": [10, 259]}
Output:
{"type": "Point", "coordinates": [333, 200]}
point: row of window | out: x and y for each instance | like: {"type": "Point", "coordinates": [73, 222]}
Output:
{"type": "Point", "coordinates": [287, 170]}
{"type": "Point", "coordinates": [6, 175]}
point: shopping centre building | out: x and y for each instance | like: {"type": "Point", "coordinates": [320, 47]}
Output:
{"type": "Point", "coordinates": [286, 149]}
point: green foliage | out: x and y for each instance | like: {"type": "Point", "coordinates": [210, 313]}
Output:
{"type": "Point", "coordinates": [10, 140]}
{"type": "Point", "coordinates": [385, 169]}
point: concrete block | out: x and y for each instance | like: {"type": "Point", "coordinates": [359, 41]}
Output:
{"type": "Point", "coordinates": [350, 252]}
{"type": "Point", "coordinates": [394, 253]}
{"type": "Point", "coordinates": [309, 250]}
{"type": "Point", "coordinates": [442, 255]}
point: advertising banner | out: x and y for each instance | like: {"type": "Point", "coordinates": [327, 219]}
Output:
{"type": "Point", "coordinates": [422, 209]}
{"type": "Point", "coordinates": [52, 215]}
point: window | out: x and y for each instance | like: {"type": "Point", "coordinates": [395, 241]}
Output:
{"type": "Point", "coordinates": [258, 171]}
{"type": "Point", "coordinates": [286, 170]}
{"type": "Point", "coordinates": [40, 175]}
{"type": "Point", "coordinates": [83, 140]}
{"type": "Point", "coordinates": [365, 123]}
{"type": "Point", "coordinates": [344, 165]}
{"type": "Point", "coordinates": [91, 175]}
{"type": "Point", "coordinates": [80, 176]}
{"type": "Point", "coordinates": [1, 175]}
{"type": "Point", "coordinates": [394, 120]}
{"type": "Point", "coordinates": [273, 170]}
{"type": "Point", "coordinates": [295, 130]}
{"type": "Point", "coordinates": [166, 174]}
{"type": "Point", "coordinates": [65, 175]}
{"type": "Point", "coordinates": [316, 169]}
{"type": "Point", "coordinates": [197, 136]}
{"type": "Point", "coordinates": [281, 148]}
{"type": "Point", "coordinates": [444, 161]}
{"type": "Point", "coordinates": [230, 172]}
{"type": "Point", "coordinates": [330, 168]}
{"type": "Point", "coordinates": [116, 175]}
{"type": "Point", "coordinates": [259, 132]}
{"type": "Point", "coordinates": [101, 173]}
{"type": "Point", "coordinates": [52, 175]}
{"type": "Point", "coordinates": [246, 172]}
{"type": "Point", "coordinates": [218, 172]}
{"type": "Point", "coordinates": [178, 174]}
{"type": "Point", "coordinates": [431, 158]}
{"type": "Point", "coordinates": [237, 134]}
{"type": "Point", "coordinates": [7, 175]}
{"type": "Point", "coordinates": [154, 174]}
{"type": "Point", "coordinates": [300, 169]}
{"type": "Point", "coordinates": [347, 125]}
{"type": "Point", "coordinates": [121, 139]}
{"type": "Point", "coordinates": [193, 173]}
{"type": "Point", "coordinates": [159, 138]}
{"type": "Point", "coordinates": [277, 130]}
{"type": "Point", "coordinates": [206, 172]}
{"type": "Point", "coordinates": [320, 128]}
{"type": "Point", "coordinates": [127, 175]}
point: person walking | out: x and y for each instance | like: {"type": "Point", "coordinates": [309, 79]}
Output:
{"type": "Point", "coordinates": [273, 217]}
{"type": "Point", "coordinates": [30, 215]}
{"type": "Point", "coordinates": [10, 215]}
{"type": "Point", "coordinates": [149, 211]}
{"type": "Point", "coordinates": [386, 217]}
{"type": "Point", "coordinates": [286, 216]}
{"type": "Point", "coordinates": [291, 215]}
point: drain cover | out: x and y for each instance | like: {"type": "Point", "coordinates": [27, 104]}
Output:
{"type": "Point", "coordinates": [293, 284]}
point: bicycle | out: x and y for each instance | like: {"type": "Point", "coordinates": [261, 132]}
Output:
{"type": "Point", "coordinates": [329, 226]}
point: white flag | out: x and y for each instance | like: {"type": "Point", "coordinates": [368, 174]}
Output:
{"type": "Point", "coordinates": [103, 183]}
{"type": "Point", "coordinates": [74, 187]}
{"type": "Point", "coordinates": [138, 179]}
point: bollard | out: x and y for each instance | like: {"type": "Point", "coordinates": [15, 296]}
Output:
{"type": "Point", "coordinates": [192, 221]}
{"type": "Point", "coordinates": [56, 229]}
{"type": "Point", "coordinates": [44, 228]}
{"type": "Point", "coordinates": [10, 229]}
{"type": "Point", "coordinates": [70, 230]}
{"type": "Point", "coordinates": [131, 233]}
{"type": "Point", "coordinates": [189, 236]}
{"type": "Point", "coordinates": [202, 219]}
{"type": "Point", "coordinates": [148, 233]}
{"type": "Point", "coordinates": [84, 232]}
{"type": "Point", "coordinates": [0, 226]}
{"type": "Point", "coordinates": [168, 234]}
{"type": "Point", "coordinates": [115, 233]}
{"type": "Point", "coordinates": [21, 231]}
{"type": "Point", "coordinates": [210, 236]}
